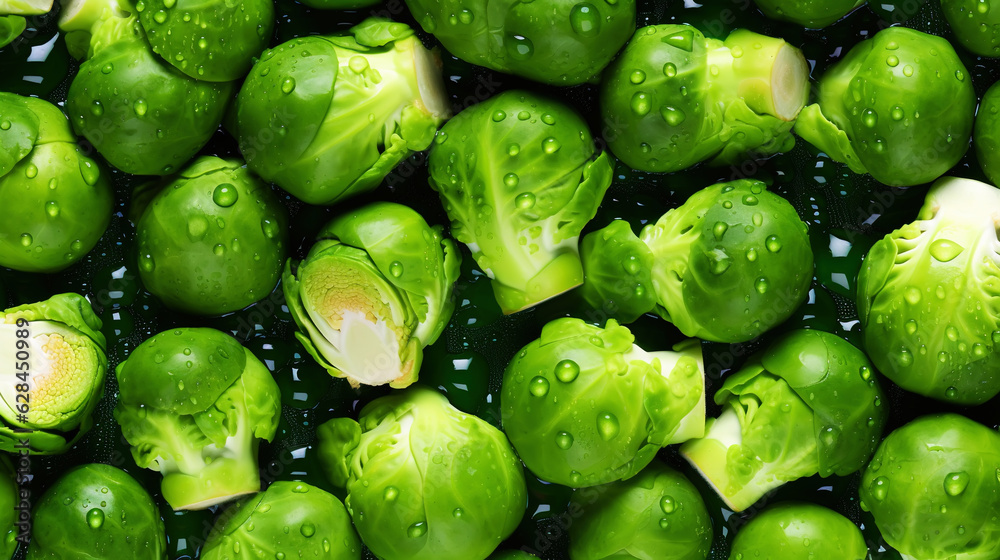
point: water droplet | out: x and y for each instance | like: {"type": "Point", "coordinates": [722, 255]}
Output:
{"type": "Point", "coordinates": [550, 145]}
{"type": "Point", "coordinates": [288, 85]}
{"type": "Point", "coordinates": [751, 255]}
{"type": "Point", "coordinates": [108, 68]}
{"type": "Point", "coordinates": [773, 244]}
{"type": "Point", "coordinates": [956, 483]}
{"type": "Point", "coordinates": [269, 228]}
{"type": "Point", "coordinates": [669, 70]}
{"type": "Point", "coordinates": [52, 208]}
{"type": "Point", "coordinates": [607, 426]}
{"type": "Point", "coordinates": [549, 119]}
{"type": "Point", "coordinates": [585, 20]}
{"type": "Point", "coordinates": [417, 529]}
{"type": "Point", "coordinates": [668, 505]}
{"type": "Point", "coordinates": [912, 295]}
{"type": "Point", "coordinates": [513, 150]}
{"type": "Point", "coordinates": [750, 200]}
{"type": "Point", "coordinates": [631, 265]}
{"type": "Point", "coordinates": [538, 386]}
{"type": "Point", "coordinates": [95, 518]}
{"type": "Point", "coordinates": [641, 103]}
{"type": "Point", "coordinates": [519, 47]}
{"type": "Point", "coordinates": [665, 524]}
{"type": "Point", "coordinates": [719, 230]}
{"type": "Point", "coordinates": [951, 392]}
{"type": "Point", "coordinates": [892, 60]}
{"type": "Point", "coordinates": [89, 171]}
{"type": "Point", "coordinates": [219, 249]}
{"type": "Point", "coordinates": [139, 107]}
{"type": "Point", "coordinates": [683, 40]}
{"type": "Point", "coordinates": [959, 75]}
{"type": "Point", "coordinates": [761, 285]}
{"type": "Point", "coordinates": [637, 77]}
{"type": "Point", "coordinates": [225, 195]}
{"type": "Point", "coordinates": [945, 250]}
{"type": "Point", "coordinates": [499, 116]}
{"type": "Point", "coordinates": [307, 530]}
{"type": "Point", "coordinates": [396, 269]}
{"type": "Point", "coordinates": [390, 494]}
{"type": "Point", "coordinates": [564, 440]}
{"type": "Point", "coordinates": [525, 200]}
{"type": "Point", "coordinates": [897, 113]}
{"type": "Point", "coordinates": [907, 70]}
{"type": "Point", "coordinates": [160, 16]}
{"type": "Point", "coordinates": [26, 240]}
{"type": "Point", "coordinates": [879, 488]}
{"type": "Point", "coordinates": [869, 117]}
{"type": "Point", "coordinates": [673, 115]}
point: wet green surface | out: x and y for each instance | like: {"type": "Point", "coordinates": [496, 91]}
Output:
{"type": "Point", "coordinates": [846, 214]}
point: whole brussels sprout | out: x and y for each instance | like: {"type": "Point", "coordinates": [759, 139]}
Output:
{"type": "Point", "coordinates": [675, 98]}
{"type": "Point", "coordinates": [899, 106]}
{"type": "Point", "coordinates": [212, 238]}
{"type": "Point", "coordinates": [424, 481]}
{"type": "Point", "coordinates": [9, 498]}
{"type": "Point", "coordinates": [53, 351]}
{"type": "Point", "coordinates": [281, 522]}
{"type": "Point", "coordinates": [975, 24]}
{"type": "Point", "coordinates": [559, 42]}
{"type": "Point", "coordinates": [635, 402]}
{"type": "Point", "coordinates": [334, 122]}
{"type": "Point", "coordinates": [124, 99]}
{"type": "Point", "coordinates": [214, 40]}
{"type": "Point", "coordinates": [372, 293]}
{"type": "Point", "coordinates": [194, 405]}
{"type": "Point", "coordinates": [520, 177]}
{"type": "Point", "coordinates": [927, 296]}
{"type": "Point", "coordinates": [986, 134]}
{"type": "Point", "coordinates": [814, 14]}
{"type": "Point", "coordinates": [808, 404]}
{"type": "Point", "coordinates": [97, 511]}
{"type": "Point", "coordinates": [793, 531]}
{"type": "Point", "coordinates": [57, 203]}
{"type": "Point", "coordinates": [729, 264]}
{"type": "Point", "coordinates": [932, 489]}
{"type": "Point", "coordinates": [656, 514]}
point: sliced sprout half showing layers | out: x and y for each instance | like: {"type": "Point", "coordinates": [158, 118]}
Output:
{"type": "Point", "coordinates": [373, 291]}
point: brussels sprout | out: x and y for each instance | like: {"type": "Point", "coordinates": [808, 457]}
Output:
{"type": "Point", "coordinates": [975, 24]}
{"type": "Point", "coordinates": [280, 523]}
{"type": "Point", "coordinates": [372, 293]}
{"type": "Point", "coordinates": [97, 511]}
{"type": "Point", "coordinates": [194, 405]}
{"type": "Point", "coordinates": [986, 134]}
{"type": "Point", "coordinates": [335, 122]}
{"type": "Point", "coordinates": [814, 14]}
{"type": "Point", "coordinates": [675, 98]}
{"type": "Point", "coordinates": [927, 296]}
{"type": "Point", "coordinates": [793, 531]}
{"type": "Point", "coordinates": [932, 489]}
{"type": "Point", "coordinates": [635, 401]}
{"type": "Point", "coordinates": [808, 404]}
{"type": "Point", "coordinates": [11, 28]}
{"type": "Point", "coordinates": [9, 498]}
{"type": "Point", "coordinates": [899, 106]}
{"type": "Point", "coordinates": [124, 99]}
{"type": "Point", "coordinates": [212, 239]}
{"type": "Point", "coordinates": [53, 351]}
{"type": "Point", "coordinates": [729, 264]}
{"type": "Point", "coordinates": [214, 40]}
{"type": "Point", "coordinates": [520, 177]}
{"type": "Point", "coordinates": [57, 203]}
{"type": "Point", "coordinates": [655, 514]}
{"type": "Point", "coordinates": [560, 42]}
{"type": "Point", "coordinates": [424, 481]}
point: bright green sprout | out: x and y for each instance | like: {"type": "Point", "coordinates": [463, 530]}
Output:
{"type": "Point", "coordinates": [288, 520]}
{"type": "Point", "coordinates": [808, 404]}
{"type": "Point", "coordinates": [57, 202]}
{"type": "Point", "coordinates": [585, 406]}
{"type": "Point", "coordinates": [374, 290]}
{"type": "Point", "coordinates": [794, 531]}
{"type": "Point", "coordinates": [986, 134]}
{"type": "Point", "coordinates": [928, 296]}
{"type": "Point", "coordinates": [211, 239]}
{"type": "Point", "coordinates": [424, 480]}
{"type": "Point", "coordinates": [97, 511]}
{"type": "Point", "coordinates": [899, 106]}
{"type": "Point", "coordinates": [124, 99]}
{"type": "Point", "coordinates": [656, 514]}
{"type": "Point", "coordinates": [975, 24]}
{"type": "Point", "coordinates": [675, 98]}
{"type": "Point", "coordinates": [932, 489]}
{"type": "Point", "coordinates": [520, 177]}
{"type": "Point", "coordinates": [55, 361]}
{"type": "Point", "coordinates": [194, 405]}
{"type": "Point", "coordinates": [326, 117]}
{"type": "Point", "coordinates": [814, 14]}
{"type": "Point", "coordinates": [729, 264]}
{"type": "Point", "coordinates": [559, 42]}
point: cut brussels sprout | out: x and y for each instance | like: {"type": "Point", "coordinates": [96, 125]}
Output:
{"type": "Point", "coordinates": [675, 98]}
{"type": "Point", "coordinates": [424, 480]}
{"type": "Point", "coordinates": [898, 106]}
{"type": "Point", "coordinates": [97, 511]}
{"type": "Point", "coordinates": [927, 296]}
{"type": "Point", "coordinates": [932, 489]}
{"type": "Point", "coordinates": [211, 239]}
{"type": "Point", "coordinates": [372, 293]}
{"type": "Point", "coordinates": [327, 117]}
{"type": "Point", "coordinates": [53, 353]}
{"type": "Point", "coordinates": [559, 42]}
{"type": "Point", "coordinates": [729, 264]}
{"type": "Point", "coordinates": [288, 520]}
{"type": "Point", "coordinates": [57, 202]}
{"type": "Point", "coordinates": [585, 406]}
{"type": "Point", "coordinates": [809, 404]}
{"type": "Point", "coordinates": [656, 514]}
{"type": "Point", "coordinates": [520, 177]}
{"type": "Point", "coordinates": [194, 405]}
